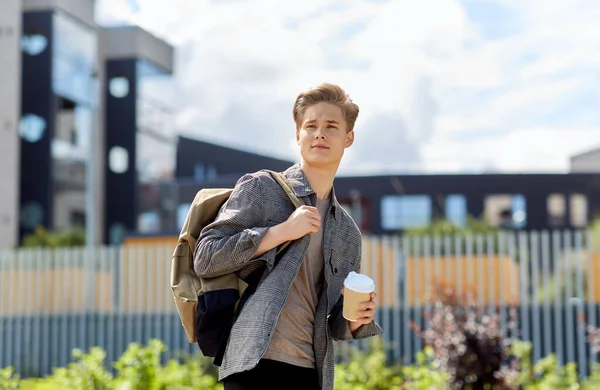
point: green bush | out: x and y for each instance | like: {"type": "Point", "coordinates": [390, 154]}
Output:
{"type": "Point", "coordinates": [140, 368]}
{"type": "Point", "coordinates": [367, 370]}
{"type": "Point", "coordinates": [42, 238]}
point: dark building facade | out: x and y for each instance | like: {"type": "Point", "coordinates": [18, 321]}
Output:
{"type": "Point", "coordinates": [521, 201]}
{"type": "Point", "coordinates": [393, 203]}
{"type": "Point", "coordinates": [139, 153]}
{"type": "Point", "coordinates": [85, 131]}
{"type": "Point", "coordinates": [57, 104]}
{"type": "Point", "coordinates": [202, 161]}
{"type": "Point", "coordinates": [202, 164]}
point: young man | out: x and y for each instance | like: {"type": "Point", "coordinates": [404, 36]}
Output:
{"type": "Point", "coordinates": [283, 336]}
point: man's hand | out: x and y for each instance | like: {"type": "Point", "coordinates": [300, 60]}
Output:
{"type": "Point", "coordinates": [365, 315]}
{"type": "Point", "coordinates": [304, 220]}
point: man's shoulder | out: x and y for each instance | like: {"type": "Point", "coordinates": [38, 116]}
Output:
{"type": "Point", "coordinates": [261, 187]}
{"type": "Point", "coordinates": [254, 180]}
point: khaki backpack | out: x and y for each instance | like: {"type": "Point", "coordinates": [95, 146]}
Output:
{"type": "Point", "coordinates": [189, 290]}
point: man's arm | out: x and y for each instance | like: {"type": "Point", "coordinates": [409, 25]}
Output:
{"type": "Point", "coordinates": [274, 237]}
{"type": "Point", "coordinates": [239, 234]}
{"type": "Point", "coordinates": [340, 328]}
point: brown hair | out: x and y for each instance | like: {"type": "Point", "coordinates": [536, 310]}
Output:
{"type": "Point", "coordinates": [329, 93]}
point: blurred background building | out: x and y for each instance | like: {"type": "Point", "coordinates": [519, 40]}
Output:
{"type": "Point", "coordinates": [588, 161]}
{"type": "Point", "coordinates": [75, 113]}
{"type": "Point", "coordinates": [10, 103]}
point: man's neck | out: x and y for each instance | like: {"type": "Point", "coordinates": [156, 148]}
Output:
{"type": "Point", "coordinates": [320, 178]}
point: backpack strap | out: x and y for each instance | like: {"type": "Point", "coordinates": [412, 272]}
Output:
{"type": "Point", "coordinates": [282, 181]}
{"type": "Point", "coordinates": [287, 188]}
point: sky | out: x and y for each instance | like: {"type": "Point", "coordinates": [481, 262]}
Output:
{"type": "Point", "coordinates": [444, 86]}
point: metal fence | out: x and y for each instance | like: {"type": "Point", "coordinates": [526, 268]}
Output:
{"type": "Point", "coordinates": [52, 301]}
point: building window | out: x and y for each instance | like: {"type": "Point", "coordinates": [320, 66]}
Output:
{"type": "Point", "coordinates": [74, 57]}
{"type": "Point", "coordinates": [118, 159]}
{"type": "Point", "coordinates": [118, 87]}
{"type": "Point", "coordinates": [519, 211]}
{"type": "Point", "coordinates": [32, 215]}
{"type": "Point", "coordinates": [211, 173]}
{"type": "Point", "coordinates": [506, 211]}
{"type": "Point", "coordinates": [116, 233]}
{"type": "Point", "coordinates": [406, 211]}
{"type": "Point", "coordinates": [77, 219]}
{"type": "Point", "coordinates": [32, 127]}
{"type": "Point", "coordinates": [578, 210]}
{"type": "Point", "coordinates": [182, 212]}
{"type": "Point", "coordinates": [34, 44]}
{"type": "Point", "coordinates": [199, 175]}
{"type": "Point", "coordinates": [456, 209]}
{"type": "Point", "coordinates": [149, 222]}
{"type": "Point", "coordinates": [557, 210]}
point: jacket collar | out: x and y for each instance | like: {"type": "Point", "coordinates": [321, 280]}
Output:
{"type": "Point", "coordinates": [302, 187]}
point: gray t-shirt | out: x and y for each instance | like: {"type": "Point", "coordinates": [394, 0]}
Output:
{"type": "Point", "coordinates": [292, 341]}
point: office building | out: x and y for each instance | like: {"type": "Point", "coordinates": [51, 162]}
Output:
{"type": "Point", "coordinates": [10, 106]}
{"type": "Point", "coordinates": [588, 161]}
{"type": "Point", "coordinates": [71, 98]}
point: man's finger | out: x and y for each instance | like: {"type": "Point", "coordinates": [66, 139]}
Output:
{"type": "Point", "coordinates": [368, 305]}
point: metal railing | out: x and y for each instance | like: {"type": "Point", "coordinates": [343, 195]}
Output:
{"type": "Point", "coordinates": [54, 300]}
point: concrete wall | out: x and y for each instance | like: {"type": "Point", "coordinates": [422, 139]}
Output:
{"type": "Point", "coordinates": [133, 42]}
{"type": "Point", "coordinates": [81, 9]}
{"type": "Point", "coordinates": [10, 107]}
{"type": "Point", "coordinates": [586, 162]}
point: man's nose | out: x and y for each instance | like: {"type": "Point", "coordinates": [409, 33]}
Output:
{"type": "Point", "coordinates": [320, 133]}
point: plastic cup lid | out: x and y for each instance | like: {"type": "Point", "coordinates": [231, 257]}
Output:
{"type": "Point", "coordinates": [359, 283]}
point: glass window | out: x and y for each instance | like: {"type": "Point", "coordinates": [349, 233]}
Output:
{"type": "Point", "coordinates": [118, 159]}
{"type": "Point", "coordinates": [34, 44]}
{"type": "Point", "coordinates": [557, 210]}
{"type": "Point", "coordinates": [579, 210]}
{"type": "Point", "coordinates": [519, 211]}
{"type": "Point", "coordinates": [32, 127]}
{"type": "Point", "coordinates": [182, 212]}
{"type": "Point", "coordinates": [211, 173]}
{"type": "Point", "coordinates": [401, 212]}
{"type": "Point", "coordinates": [149, 222]}
{"type": "Point", "coordinates": [156, 142]}
{"type": "Point", "coordinates": [74, 60]}
{"type": "Point", "coordinates": [116, 233]}
{"type": "Point", "coordinates": [32, 215]}
{"type": "Point", "coordinates": [72, 132]}
{"type": "Point", "coordinates": [155, 157]}
{"type": "Point", "coordinates": [456, 209]}
{"type": "Point", "coordinates": [506, 211]}
{"type": "Point", "coordinates": [119, 87]}
{"type": "Point", "coordinates": [199, 172]}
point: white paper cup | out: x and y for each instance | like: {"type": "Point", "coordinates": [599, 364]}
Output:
{"type": "Point", "coordinates": [357, 289]}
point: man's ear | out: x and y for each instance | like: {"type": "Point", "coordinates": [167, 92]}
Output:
{"type": "Point", "coordinates": [297, 136]}
{"type": "Point", "coordinates": [349, 138]}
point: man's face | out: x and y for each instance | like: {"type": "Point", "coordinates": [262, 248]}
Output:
{"type": "Point", "coordinates": [323, 135]}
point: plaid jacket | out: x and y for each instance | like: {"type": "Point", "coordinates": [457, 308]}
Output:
{"type": "Point", "coordinates": [227, 245]}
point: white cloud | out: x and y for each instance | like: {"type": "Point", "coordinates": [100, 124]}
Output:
{"type": "Point", "coordinates": [113, 12]}
{"type": "Point", "coordinates": [516, 150]}
{"type": "Point", "coordinates": [436, 93]}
